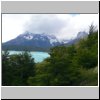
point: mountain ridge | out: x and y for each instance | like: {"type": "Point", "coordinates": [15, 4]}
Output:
{"type": "Point", "coordinates": [38, 41]}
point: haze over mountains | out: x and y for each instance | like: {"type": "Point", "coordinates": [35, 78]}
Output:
{"type": "Point", "coordinates": [39, 42]}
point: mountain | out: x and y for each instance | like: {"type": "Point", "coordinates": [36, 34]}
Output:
{"type": "Point", "coordinates": [80, 35]}
{"type": "Point", "coordinates": [30, 41]}
{"type": "Point", "coordinates": [38, 42]}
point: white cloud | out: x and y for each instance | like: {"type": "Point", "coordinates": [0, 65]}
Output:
{"type": "Point", "coordinates": [74, 24]}
{"type": "Point", "coordinates": [13, 25]}
{"type": "Point", "coordinates": [61, 25]}
{"type": "Point", "coordinates": [45, 24]}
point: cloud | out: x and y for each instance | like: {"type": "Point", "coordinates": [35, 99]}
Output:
{"type": "Point", "coordinates": [13, 25]}
{"type": "Point", "coordinates": [79, 22]}
{"type": "Point", "coordinates": [64, 26]}
{"type": "Point", "coordinates": [45, 23]}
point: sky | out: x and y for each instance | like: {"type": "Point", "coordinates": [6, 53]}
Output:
{"type": "Point", "coordinates": [63, 26]}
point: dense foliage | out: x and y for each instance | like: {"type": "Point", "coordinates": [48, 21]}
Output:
{"type": "Point", "coordinates": [17, 68]}
{"type": "Point", "coordinates": [73, 65]}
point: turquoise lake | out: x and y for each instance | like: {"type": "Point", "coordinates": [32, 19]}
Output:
{"type": "Point", "coordinates": [38, 56]}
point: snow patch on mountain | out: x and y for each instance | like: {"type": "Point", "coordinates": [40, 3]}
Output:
{"type": "Point", "coordinates": [51, 38]}
{"type": "Point", "coordinates": [28, 37]}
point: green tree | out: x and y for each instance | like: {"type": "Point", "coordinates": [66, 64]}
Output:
{"type": "Point", "coordinates": [92, 29]}
{"type": "Point", "coordinates": [42, 76]}
{"type": "Point", "coordinates": [6, 77]}
{"type": "Point", "coordinates": [18, 69]}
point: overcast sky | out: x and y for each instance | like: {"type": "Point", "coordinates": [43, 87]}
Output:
{"type": "Point", "coordinates": [64, 26]}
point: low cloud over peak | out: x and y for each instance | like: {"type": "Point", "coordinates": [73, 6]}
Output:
{"type": "Point", "coordinates": [50, 24]}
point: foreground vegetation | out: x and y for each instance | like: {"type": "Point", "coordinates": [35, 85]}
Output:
{"type": "Point", "coordinates": [75, 65]}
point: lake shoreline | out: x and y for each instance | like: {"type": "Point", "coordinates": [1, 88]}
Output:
{"type": "Point", "coordinates": [26, 51]}
{"type": "Point", "coordinates": [37, 55]}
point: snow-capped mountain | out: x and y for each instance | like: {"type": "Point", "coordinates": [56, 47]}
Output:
{"type": "Point", "coordinates": [27, 35]}
{"type": "Point", "coordinates": [38, 42]}
{"type": "Point", "coordinates": [32, 40]}
{"type": "Point", "coordinates": [30, 36]}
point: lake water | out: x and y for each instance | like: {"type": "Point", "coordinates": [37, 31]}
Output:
{"type": "Point", "coordinates": [38, 56]}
